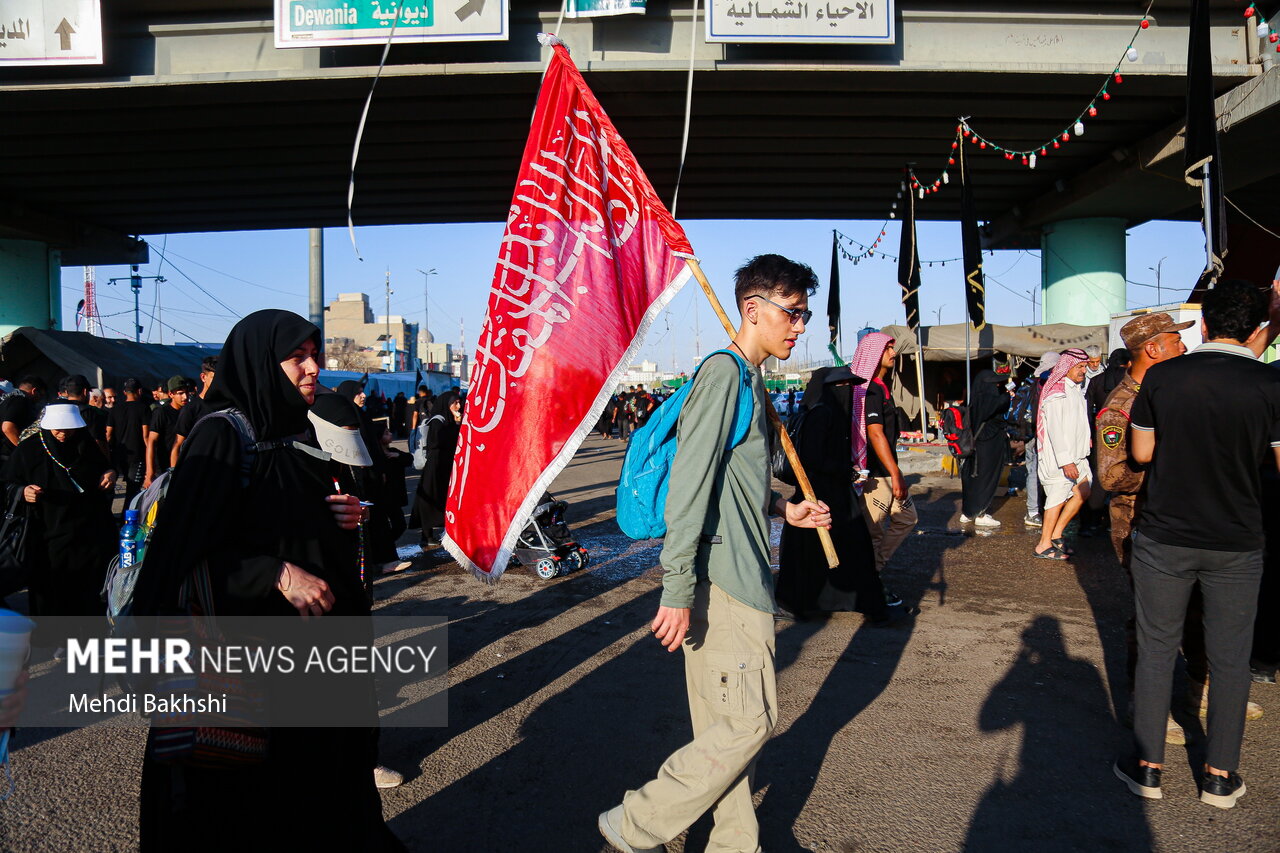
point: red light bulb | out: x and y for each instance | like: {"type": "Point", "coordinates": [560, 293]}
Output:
{"type": "Point", "coordinates": [1119, 79]}
{"type": "Point", "coordinates": [1145, 23]}
{"type": "Point", "coordinates": [1093, 111]}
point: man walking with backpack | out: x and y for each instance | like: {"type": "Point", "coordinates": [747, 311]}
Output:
{"type": "Point", "coordinates": [717, 600]}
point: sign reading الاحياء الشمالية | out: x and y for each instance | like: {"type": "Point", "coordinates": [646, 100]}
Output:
{"type": "Point", "coordinates": [333, 23]}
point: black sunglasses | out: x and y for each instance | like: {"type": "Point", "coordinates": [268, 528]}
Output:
{"type": "Point", "coordinates": [796, 315]}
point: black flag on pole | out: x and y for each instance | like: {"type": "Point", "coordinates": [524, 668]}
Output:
{"type": "Point", "coordinates": [833, 295]}
{"type": "Point", "coordinates": [1203, 160]}
{"type": "Point", "coordinates": [975, 286]}
{"type": "Point", "coordinates": [909, 262]}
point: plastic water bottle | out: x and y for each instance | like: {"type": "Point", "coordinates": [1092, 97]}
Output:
{"type": "Point", "coordinates": [129, 539]}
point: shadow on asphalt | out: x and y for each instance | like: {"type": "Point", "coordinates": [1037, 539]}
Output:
{"type": "Point", "coordinates": [1053, 796]}
{"type": "Point", "coordinates": [790, 763]}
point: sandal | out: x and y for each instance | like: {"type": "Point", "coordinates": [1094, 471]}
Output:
{"type": "Point", "coordinates": [1051, 554]}
{"type": "Point", "coordinates": [1061, 545]}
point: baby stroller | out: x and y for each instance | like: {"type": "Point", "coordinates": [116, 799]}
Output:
{"type": "Point", "coordinates": [546, 542]}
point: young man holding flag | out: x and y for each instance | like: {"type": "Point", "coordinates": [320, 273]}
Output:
{"type": "Point", "coordinates": [717, 600]}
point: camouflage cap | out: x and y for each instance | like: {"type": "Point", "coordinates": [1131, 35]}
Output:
{"type": "Point", "coordinates": [1144, 327]}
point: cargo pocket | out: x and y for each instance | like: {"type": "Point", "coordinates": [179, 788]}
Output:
{"type": "Point", "coordinates": [733, 684]}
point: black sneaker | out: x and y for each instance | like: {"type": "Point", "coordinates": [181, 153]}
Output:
{"type": "Point", "coordinates": [1262, 673]}
{"type": "Point", "coordinates": [1222, 791]}
{"type": "Point", "coordinates": [891, 598]}
{"type": "Point", "coordinates": [1139, 779]}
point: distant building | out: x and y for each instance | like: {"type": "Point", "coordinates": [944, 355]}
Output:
{"type": "Point", "coordinates": [356, 339]}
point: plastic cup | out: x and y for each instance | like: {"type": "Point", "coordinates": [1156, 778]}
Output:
{"type": "Point", "coordinates": [15, 647]}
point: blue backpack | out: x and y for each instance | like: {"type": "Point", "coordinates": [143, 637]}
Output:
{"type": "Point", "coordinates": [646, 470]}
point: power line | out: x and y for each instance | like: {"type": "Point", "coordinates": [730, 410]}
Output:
{"type": "Point", "coordinates": [230, 276]}
{"type": "Point", "coordinates": [178, 269]}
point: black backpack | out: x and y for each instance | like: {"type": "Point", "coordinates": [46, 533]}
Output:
{"type": "Point", "coordinates": [778, 459]}
{"type": "Point", "coordinates": [957, 431]}
{"type": "Point", "coordinates": [14, 574]}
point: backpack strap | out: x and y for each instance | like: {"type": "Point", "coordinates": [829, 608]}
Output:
{"type": "Point", "coordinates": [746, 398]}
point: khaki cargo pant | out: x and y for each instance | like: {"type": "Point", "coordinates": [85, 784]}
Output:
{"type": "Point", "coordinates": [733, 700]}
{"type": "Point", "coordinates": [877, 505]}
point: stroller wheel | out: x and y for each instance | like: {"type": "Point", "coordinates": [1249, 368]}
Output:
{"type": "Point", "coordinates": [571, 562]}
{"type": "Point", "coordinates": [547, 567]}
{"type": "Point", "coordinates": [584, 558]}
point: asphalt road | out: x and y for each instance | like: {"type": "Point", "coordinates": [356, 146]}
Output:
{"type": "Point", "coordinates": [988, 723]}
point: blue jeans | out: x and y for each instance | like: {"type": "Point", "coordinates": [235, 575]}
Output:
{"type": "Point", "coordinates": [1033, 479]}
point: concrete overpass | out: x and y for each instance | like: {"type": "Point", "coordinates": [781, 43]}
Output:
{"type": "Point", "coordinates": [197, 123]}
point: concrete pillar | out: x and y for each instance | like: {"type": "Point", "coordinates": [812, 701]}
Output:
{"type": "Point", "coordinates": [1082, 264]}
{"type": "Point", "coordinates": [30, 285]}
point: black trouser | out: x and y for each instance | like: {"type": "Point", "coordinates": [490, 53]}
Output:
{"type": "Point", "coordinates": [1163, 577]}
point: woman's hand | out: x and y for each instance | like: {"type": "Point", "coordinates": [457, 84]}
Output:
{"type": "Point", "coordinates": [808, 514]}
{"type": "Point", "coordinates": [11, 705]}
{"type": "Point", "coordinates": [108, 480]}
{"type": "Point", "coordinates": [31, 494]}
{"type": "Point", "coordinates": [346, 510]}
{"type": "Point", "coordinates": [308, 594]}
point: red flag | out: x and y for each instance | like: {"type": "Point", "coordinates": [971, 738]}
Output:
{"type": "Point", "coordinates": [590, 256]}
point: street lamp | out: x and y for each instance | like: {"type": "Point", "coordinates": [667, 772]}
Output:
{"type": "Point", "coordinates": [1156, 270]}
{"type": "Point", "coordinates": [426, 330]}
{"type": "Point", "coordinates": [938, 312]}
{"type": "Point", "coordinates": [1032, 294]}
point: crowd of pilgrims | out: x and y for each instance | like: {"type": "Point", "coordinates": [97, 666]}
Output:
{"type": "Point", "coordinates": [304, 533]}
{"type": "Point", "coordinates": [284, 542]}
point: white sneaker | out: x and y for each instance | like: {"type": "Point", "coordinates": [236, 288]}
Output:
{"type": "Point", "coordinates": [985, 520]}
{"type": "Point", "coordinates": [385, 777]}
{"type": "Point", "coordinates": [964, 519]}
{"type": "Point", "coordinates": [608, 825]}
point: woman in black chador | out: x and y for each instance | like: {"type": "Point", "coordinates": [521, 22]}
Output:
{"type": "Point", "coordinates": [386, 516]}
{"type": "Point", "coordinates": [441, 441]}
{"type": "Point", "coordinates": [805, 584]}
{"type": "Point", "coordinates": [980, 472]}
{"type": "Point", "coordinates": [278, 542]}
{"type": "Point", "coordinates": [66, 482]}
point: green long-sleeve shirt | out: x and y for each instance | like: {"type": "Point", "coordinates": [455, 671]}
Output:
{"type": "Point", "coordinates": [718, 501]}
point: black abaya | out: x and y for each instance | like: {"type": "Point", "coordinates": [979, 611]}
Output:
{"type": "Point", "coordinates": [826, 453]}
{"type": "Point", "coordinates": [441, 442]}
{"type": "Point", "coordinates": [74, 535]}
{"type": "Point", "coordinates": [980, 473]}
{"type": "Point", "coordinates": [315, 791]}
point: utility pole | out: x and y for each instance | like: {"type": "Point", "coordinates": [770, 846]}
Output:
{"type": "Point", "coordinates": [135, 284]}
{"type": "Point", "coordinates": [1032, 294]}
{"type": "Point", "coordinates": [391, 349]}
{"type": "Point", "coordinates": [938, 311]}
{"type": "Point", "coordinates": [426, 305]}
{"type": "Point", "coordinates": [697, 335]}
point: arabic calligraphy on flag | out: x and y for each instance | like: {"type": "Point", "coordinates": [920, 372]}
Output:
{"type": "Point", "coordinates": [589, 257]}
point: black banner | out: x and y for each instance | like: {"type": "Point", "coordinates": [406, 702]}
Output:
{"type": "Point", "coordinates": [833, 295]}
{"type": "Point", "coordinates": [975, 286]}
{"type": "Point", "coordinates": [909, 261]}
{"type": "Point", "coordinates": [1202, 154]}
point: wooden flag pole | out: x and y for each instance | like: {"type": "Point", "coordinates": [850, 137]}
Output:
{"type": "Point", "coordinates": [802, 479]}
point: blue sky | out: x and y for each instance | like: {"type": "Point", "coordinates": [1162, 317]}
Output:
{"type": "Point", "coordinates": [212, 279]}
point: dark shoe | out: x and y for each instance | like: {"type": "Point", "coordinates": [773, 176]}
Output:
{"type": "Point", "coordinates": [1139, 779]}
{"type": "Point", "coordinates": [1222, 791]}
{"type": "Point", "coordinates": [1051, 553]}
{"type": "Point", "coordinates": [1262, 673]}
{"type": "Point", "coordinates": [891, 598]}
{"type": "Point", "coordinates": [895, 615]}
{"type": "Point", "coordinates": [1061, 545]}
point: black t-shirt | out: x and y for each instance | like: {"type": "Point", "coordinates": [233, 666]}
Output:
{"type": "Point", "coordinates": [95, 419]}
{"type": "Point", "coordinates": [126, 420]}
{"type": "Point", "coordinates": [163, 420]}
{"type": "Point", "coordinates": [189, 414]}
{"type": "Point", "coordinates": [878, 409]}
{"type": "Point", "coordinates": [20, 408]}
{"type": "Point", "coordinates": [1216, 416]}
